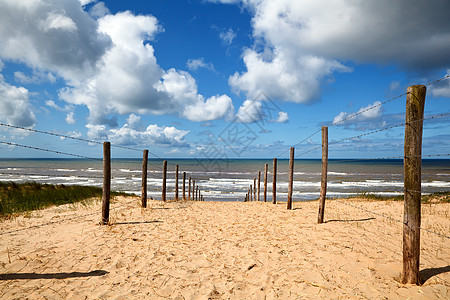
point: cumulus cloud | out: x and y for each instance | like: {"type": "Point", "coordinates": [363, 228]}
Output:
{"type": "Point", "coordinates": [35, 77]}
{"type": "Point", "coordinates": [54, 35]}
{"type": "Point", "coordinates": [300, 44]}
{"type": "Point", "coordinates": [368, 117]}
{"type": "Point", "coordinates": [283, 117]}
{"type": "Point", "coordinates": [130, 134]}
{"type": "Point", "coordinates": [15, 108]}
{"type": "Point", "coordinates": [195, 64]}
{"type": "Point", "coordinates": [129, 79]}
{"type": "Point", "coordinates": [70, 118]}
{"type": "Point", "coordinates": [250, 111]}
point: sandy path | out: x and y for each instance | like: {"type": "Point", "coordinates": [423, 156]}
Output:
{"type": "Point", "coordinates": [211, 250]}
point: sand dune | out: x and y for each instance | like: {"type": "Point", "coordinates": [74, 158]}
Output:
{"type": "Point", "coordinates": [213, 250]}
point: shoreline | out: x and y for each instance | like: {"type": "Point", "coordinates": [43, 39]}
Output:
{"type": "Point", "coordinates": [220, 250]}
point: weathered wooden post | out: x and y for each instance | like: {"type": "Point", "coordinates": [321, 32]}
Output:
{"type": "Point", "coordinates": [176, 182]}
{"type": "Point", "coordinates": [291, 179]}
{"type": "Point", "coordinates": [163, 196]}
{"type": "Point", "coordinates": [144, 179]}
{"type": "Point", "coordinates": [193, 189]}
{"type": "Point", "coordinates": [106, 182]}
{"type": "Point", "coordinates": [259, 183]}
{"type": "Point", "coordinates": [184, 185]}
{"type": "Point", "coordinates": [196, 193]}
{"type": "Point", "coordinates": [254, 188]}
{"type": "Point", "coordinates": [323, 180]}
{"type": "Point", "coordinates": [266, 166]}
{"type": "Point", "coordinates": [189, 191]}
{"type": "Point", "coordinates": [251, 193]}
{"type": "Point", "coordinates": [274, 182]}
{"type": "Point", "coordinates": [415, 103]}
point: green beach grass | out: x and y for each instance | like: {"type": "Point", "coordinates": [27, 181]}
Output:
{"type": "Point", "coordinates": [23, 197]}
{"type": "Point", "coordinates": [441, 197]}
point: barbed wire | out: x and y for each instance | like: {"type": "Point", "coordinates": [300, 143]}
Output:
{"type": "Point", "coordinates": [388, 157]}
{"type": "Point", "coordinates": [437, 80]}
{"type": "Point", "coordinates": [305, 139]}
{"type": "Point", "coordinates": [48, 150]}
{"type": "Point", "coordinates": [71, 137]}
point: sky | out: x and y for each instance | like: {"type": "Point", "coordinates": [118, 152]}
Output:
{"type": "Point", "coordinates": [220, 78]}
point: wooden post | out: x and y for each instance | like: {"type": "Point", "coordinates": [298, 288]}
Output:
{"type": "Point", "coordinates": [274, 182]}
{"type": "Point", "coordinates": [259, 183]}
{"type": "Point", "coordinates": [196, 193]}
{"type": "Point", "coordinates": [291, 179]}
{"type": "Point", "coordinates": [176, 182]}
{"type": "Point", "coordinates": [144, 179]}
{"type": "Point", "coordinates": [163, 196]}
{"type": "Point", "coordinates": [323, 180]}
{"type": "Point", "coordinates": [266, 166]}
{"type": "Point", "coordinates": [415, 103]}
{"type": "Point", "coordinates": [254, 188]}
{"type": "Point", "coordinates": [251, 194]}
{"type": "Point", "coordinates": [184, 185]}
{"type": "Point", "coordinates": [106, 182]}
{"type": "Point", "coordinates": [193, 189]}
{"type": "Point", "coordinates": [189, 191]}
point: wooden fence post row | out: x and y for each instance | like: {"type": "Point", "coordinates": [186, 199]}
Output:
{"type": "Point", "coordinates": [323, 181]}
{"type": "Point", "coordinates": [415, 103]}
{"type": "Point", "coordinates": [106, 182]}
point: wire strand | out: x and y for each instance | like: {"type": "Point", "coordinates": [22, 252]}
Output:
{"type": "Point", "coordinates": [48, 150]}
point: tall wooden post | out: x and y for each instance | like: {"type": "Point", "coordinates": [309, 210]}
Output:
{"type": "Point", "coordinates": [291, 179]}
{"type": "Point", "coordinates": [274, 182]}
{"type": "Point", "coordinates": [259, 183]}
{"type": "Point", "coordinates": [106, 182]}
{"type": "Point", "coordinates": [193, 189]}
{"type": "Point", "coordinates": [176, 182]}
{"type": "Point", "coordinates": [184, 185]}
{"type": "Point", "coordinates": [266, 166]}
{"type": "Point", "coordinates": [189, 191]}
{"type": "Point", "coordinates": [415, 103]}
{"type": "Point", "coordinates": [163, 196]}
{"type": "Point", "coordinates": [196, 193]}
{"type": "Point", "coordinates": [323, 180]}
{"type": "Point", "coordinates": [144, 179]}
{"type": "Point", "coordinates": [254, 188]}
{"type": "Point", "coordinates": [251, 193]}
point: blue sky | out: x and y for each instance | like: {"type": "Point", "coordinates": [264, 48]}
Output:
{"type": "Point", "coordinates": [219, 78]}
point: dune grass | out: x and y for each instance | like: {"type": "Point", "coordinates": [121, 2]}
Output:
{"type": "Point", "coordinates": [440, 197]}
{"type": "Point", "coordinates": [17, 198]}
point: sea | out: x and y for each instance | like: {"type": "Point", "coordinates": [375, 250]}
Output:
{"type": "Point", "coordinates": [230, 179]}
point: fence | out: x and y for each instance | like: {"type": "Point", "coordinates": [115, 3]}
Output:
{"type": "Point", "coordinates": [412, 165]}
{"type": "Point", "coordinates": [414, 117]}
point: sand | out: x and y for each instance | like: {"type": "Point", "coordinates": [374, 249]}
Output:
{"type": "Point", "coordinates": [220, 250]}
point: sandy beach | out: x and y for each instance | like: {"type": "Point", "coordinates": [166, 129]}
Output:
{"type": "Point", "coordinates": [220, 250]}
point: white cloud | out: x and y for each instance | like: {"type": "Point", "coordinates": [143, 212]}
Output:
{"type": "Point", "coordinates": [99, 10]}
{"type": "Point", "coordinates": [442, 88]}
{"type": "Point", "coordinates": [129, 135]}
{"type": "Point", "coordinates": [227, 36]}
{"type": "Point", "coordinates": [36, 77]}
{"type": "Point", "coordinates": [70, 118]}
{"type": "Point", "coordinates": [366, 117]}
{"type": "Point", "coordinates": [15, 108]}
{"type": "Point", "coordinates": [299, 44]}
{"type": "Point", "coordinates": [52, 35]}
{"type": "Point", "coordinates": [57, 21]}
{"type": "Point", "coordinates": [195, 64]}
{"type": "Point", "coordinates": [129, 79]}
{"type": "Point", "coordinates": [250, 111]}
{"type": "Point", "coordinates": [283, 117]}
